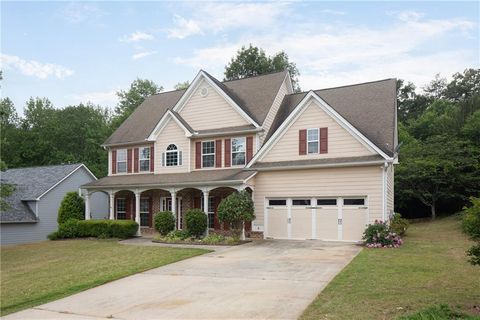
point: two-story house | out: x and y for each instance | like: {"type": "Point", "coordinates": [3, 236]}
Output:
{"type": "Point", "coordinates": [319, 164]}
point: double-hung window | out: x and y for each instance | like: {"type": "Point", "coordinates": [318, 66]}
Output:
{"type": "Point", "coordinates": [144, 212]}
{"type": "Point", "coordinates": [238, 151]}
{"type": "Point", "coordinates": [121, 208]}
{"type": "Point", "coordinates": [208, 154]}
{"type": "Point", "coordinates": [121, 160]}
{"type": "Point", "coordinates": [171, 156]}
{"type": "Point", "coordinates": [144, 158]}
{"type": "Point", "coordinates": [313, 137]}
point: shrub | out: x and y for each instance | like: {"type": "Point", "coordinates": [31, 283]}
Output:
{"type": "Point", "coordinates": [177, 235]}
{"type": "Point", "coordinates": [71, 207]}
{"type": "Point", "coordinates": [378, 235]}
{"type": "Point", "coordinates": [236, 208]}
{"type": "Point", "coordinates": [213, 238]}
{"type": "Point", "coordinates": [471, 226]}
{"type": "Point", "coordinates": [471, 219]}
{"type": "Point", "coordinates": [164, 222]}
{"type": "Point", "coordinates": [122, 229]}
{"type": "Point", "coordinates": [474, 254]}
{"type": "Point", "coordinates": [398, 224]}
{"type": "Point", "coordinates": [196, 222]}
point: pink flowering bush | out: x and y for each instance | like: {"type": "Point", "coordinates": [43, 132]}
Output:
{"type": "Point", "coordinates": [379, 235]}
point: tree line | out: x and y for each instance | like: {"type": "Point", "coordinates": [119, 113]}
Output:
{"type": "Point", "coordinates": [439, 128]}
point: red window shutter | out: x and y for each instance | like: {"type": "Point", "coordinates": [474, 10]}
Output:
{"type": "Point", "coordinates": [135, 160]}
{"type": "Point", "coordinates": [228, 152]}
{"type": "Point", "coordinates": [218, 153]}
{"type": "Point", "coordinates": [323, 140]}
{"type": "Point", "coordinates": [249, 149]}
{"type": "Point", "coordinates": [198, 155]}
{"type": "Point", "coordinates": [114, 161]}
{"type": "Point", "coordinates": [302, 142]}
{"type": "Point", "coordinates": [129, 160]}
{"type": "Point", "coordinates": [152, 159]}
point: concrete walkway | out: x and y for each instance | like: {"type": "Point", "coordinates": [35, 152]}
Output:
{"type": "Point", "coordinates": [260, 280]}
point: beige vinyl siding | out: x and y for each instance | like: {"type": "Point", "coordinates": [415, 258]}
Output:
{"type": "Point", "coordinates": [210, 112]}
{"type": "Point", "coordinates": [192, 150]}
{"type": "Point", "coordinates": [267, 123]}
{"type": "Point", "coordinates": [340, 142]}
{"type": "Point", "coordinates": [390, 190]}
{"type": "Point", "coordinates": [172, 133]}
{"type": "Point", "coordinates": [328, 182]}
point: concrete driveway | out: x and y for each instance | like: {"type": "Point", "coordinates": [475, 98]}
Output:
{"type": "Point", "coordinates": [270, 279]}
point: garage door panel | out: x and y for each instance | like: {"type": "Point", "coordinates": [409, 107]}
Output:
{"type": "Point", "coordinates": [327, 223]}
{"type": "Point", "coordinates": [277, 223]}
{"type": "Point", "coordinates": [301, 223]}
{"type": "Point", "coordinates": [354, 223]}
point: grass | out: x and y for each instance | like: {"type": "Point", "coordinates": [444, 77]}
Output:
{"type": "Point", "coordinates": [438, 312]}
{"type": "Point", "coordinates": [33, 274]}
{"type": "Point", "coordinates": [429, 269]}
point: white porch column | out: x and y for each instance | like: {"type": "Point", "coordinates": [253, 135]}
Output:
{"type": "Point", "coordinates": [173, 194]}
{"type": "Point", "coordinates": [87, 206]}
{"type": "Point", "coordinates": [112, 205]}
{"type": "Point", "coordinates": [242, 236]}
{"type": "Point", "coordinates": [205, 206]}
{"type": "Point", "coordinates": [137, 210]}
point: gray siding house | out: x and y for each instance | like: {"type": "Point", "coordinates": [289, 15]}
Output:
{"type": "Point", "coordinates": [32, 209]}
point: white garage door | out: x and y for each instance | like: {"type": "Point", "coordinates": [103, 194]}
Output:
{"type": "Point", "coordinates": [332, 218]}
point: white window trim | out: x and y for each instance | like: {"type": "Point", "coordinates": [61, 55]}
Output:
{"type": "Point", "coordinates": [116, 207]}
{"type": "Point", "coordinates": [317, 141]}
{"type": "Point", "coordinates": [231, 152]}
{"type": "Point", "coordinates": [207, 154]}
{"type": "Point", "coordinates": [177, 151]}
{"type": "Point", "coordinates": [140, 159]}
{"type": "Point", "coordinates": [126, 161]}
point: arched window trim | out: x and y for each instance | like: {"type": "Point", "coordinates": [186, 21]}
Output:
{"type": "Point", "coordinates": [172, 157]}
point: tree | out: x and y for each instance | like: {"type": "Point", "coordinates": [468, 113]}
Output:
{"type": "Point", "coordinates": [71, 207]}
{"type": "Point", "coordinates": [132, 98]}
{"type": "Point", "coordinates": [182, 85]}
{"type": "Point", "coordinates": [236, 209]}
{"type": "Point", "coordinates": [253, 61]}
{"type": "Point", "coordinates": [410, 104]}
{"type": "Point", "coordinates": [464, 85]}
{"type": "Point", "coordinates": [436, 88]}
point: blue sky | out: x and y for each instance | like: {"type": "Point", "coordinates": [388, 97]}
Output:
{"type": "Point", "coordinates": [75, 52]}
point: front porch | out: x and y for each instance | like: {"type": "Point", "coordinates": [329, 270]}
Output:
{"type": "Point", "coordinates": [140, 202]}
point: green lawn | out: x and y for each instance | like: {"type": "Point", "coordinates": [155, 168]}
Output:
{"type": "Point", "coordinates": [430, 268]}
{"type": "Point", "coordinates": [33, 274]}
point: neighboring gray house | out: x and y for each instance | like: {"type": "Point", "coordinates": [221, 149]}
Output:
{"type": "Point", "coordinates": [32, 208]}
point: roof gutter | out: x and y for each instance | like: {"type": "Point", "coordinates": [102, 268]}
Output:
{"type": "Point", "coordinates": [314, 166]}
{"type": "Point", "coordinates": [225, 133]}
{"type": "Point", "coordinates": [169, 185]}
{"type": "Point", "coordinates": [121, 144]}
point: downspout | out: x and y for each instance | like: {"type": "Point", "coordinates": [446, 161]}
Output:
{"type": "Point", "coordinates": [384, 189]}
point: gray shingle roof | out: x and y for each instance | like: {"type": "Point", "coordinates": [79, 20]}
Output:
{"type": "Point", "coordinates": [370, 107]}
{"type": "Point", "coordinates": [205, 177]}
{"type": "Point", "coordinates": [30, 183]}
{"type": "Point", "coordinates": [254, 95]}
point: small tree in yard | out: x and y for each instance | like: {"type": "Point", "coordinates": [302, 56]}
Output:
{"type": "Point", "coordinates": [236, 209]}
{"type": "Point", "coordinates": [72, 207]}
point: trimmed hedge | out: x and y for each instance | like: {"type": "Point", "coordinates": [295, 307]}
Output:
{"type": "Point", "coordinates": [164, 222]}
{"type": "Point", "coordinates": [122, 229]}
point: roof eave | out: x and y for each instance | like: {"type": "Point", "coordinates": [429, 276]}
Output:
{"type": "Point", "coordinates": [315, 166]}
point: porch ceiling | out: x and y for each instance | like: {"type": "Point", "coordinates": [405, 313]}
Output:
{"type": "Point", "coordinates": [195, 178]}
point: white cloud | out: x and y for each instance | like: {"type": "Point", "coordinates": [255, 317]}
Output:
{"type": "Point", "coordinates": [137, 36]}
{"type": "Point", "coordinates": [343, 54]}
{"type": "Point", "coordinates": [105, 98]}
{"type": "Point", "coordinates": [34, 68]}
{"type": "Point", "coordinates": [184, 28]}
{"type": "Point", "coordinates": [141, 55]}
{"type": "Point", "coordinates": [217, 17]}
{"type": "Point", "coordinates": [77, 12]}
